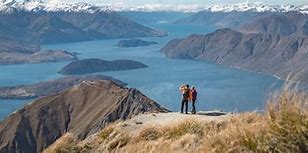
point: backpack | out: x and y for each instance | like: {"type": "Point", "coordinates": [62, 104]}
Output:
{"type": "Point", "coordinates": [186, 94]}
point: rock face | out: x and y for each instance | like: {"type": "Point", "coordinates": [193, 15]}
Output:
{"type": "Point", "coordinates": [81, 110]}
{"type": "Point", "coordinates": [134, 43]}
{"type": "Point", "coordinates": [270, 53]}
{"type": "Point", "coordinates": [49, 87]}
{"type": "Point", "coordinates": [19, 52]}
{"type": "Point", "coordinates": [97, 65]}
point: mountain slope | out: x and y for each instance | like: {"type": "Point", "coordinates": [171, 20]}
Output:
{"type": "Point", "coordinates": [219, 19]}
{"type": "Point", "coordinates": [230, 16]}
{"type": "Point", "coordinates": [285, 24]}
{"type": "Point", "coordinates": [40, 23]}
{"type": "Point", "coordinates": [82, 110]}
{"type": "Point", "coordinates": [270, 53]}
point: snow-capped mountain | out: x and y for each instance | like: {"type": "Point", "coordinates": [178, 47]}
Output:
{"type": "Point", "coordinates": [52, 6]}
{"type": "Point", "coordinates": [256, 7]}
{"type": "Point", "coordinates": [57, 5]}
{"type": "Point", "coordinates": [240, 7]}
{"type": "Point", "coordinates": [56, 22]}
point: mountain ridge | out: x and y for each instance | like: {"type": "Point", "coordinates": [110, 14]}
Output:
{"type": "Point", "coordinates": [54, 6]}
{"type": "Point", "coordinates": [83, 110]}
{"type": "Point", "coordinates": [72, 23]}
{"type": "Point", "coordinates": [283, 56]}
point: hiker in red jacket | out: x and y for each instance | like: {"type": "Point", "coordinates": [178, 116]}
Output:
{"type": "Point", "coordinates": [193, 93]}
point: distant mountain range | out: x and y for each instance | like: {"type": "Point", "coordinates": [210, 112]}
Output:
{"type": "Point", "coordinates": [56, 6]}
{"type": "Point", "coordinates": [39, 22]}
{"type": "Point", "coordinates": [223, 16]}
{"type": "Point", "coordinates": [272, 43]}
{"type": "Point", "coordinates": [82, 110]}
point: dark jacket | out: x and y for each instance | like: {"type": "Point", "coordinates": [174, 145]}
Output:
{"type": "Point", "coordinates": [194, 94]}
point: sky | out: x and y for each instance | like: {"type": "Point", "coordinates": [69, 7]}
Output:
{"type": "Point", "coordinates": [189, 2]}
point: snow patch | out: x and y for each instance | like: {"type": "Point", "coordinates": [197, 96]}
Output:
{"type": "Point", "coordinates": [57, 5]}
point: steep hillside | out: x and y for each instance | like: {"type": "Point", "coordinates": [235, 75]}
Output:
{"type": "Point", "coordinates": [232, 15]}
{"type": "Point", "coordinates": [285, 24]}
{"type": "Point", "coordinates": [270, 53]}
{"type": "Point", "coordinates": [219, 19]}
{"type": "Point", "coordinates": [82, 110]}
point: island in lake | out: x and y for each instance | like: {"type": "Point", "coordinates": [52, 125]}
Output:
{"type": "Point", "coordinates": [94, 65]}
{"type": "Point", "coordinates": [46, 88]}
{"type": "Point", "coordinates": [134, 43]}
{"type": "Point", "coordinates": [20, 52]}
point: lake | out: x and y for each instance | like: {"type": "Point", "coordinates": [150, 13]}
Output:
{"type": "Point", "coordinates": [219, 87]}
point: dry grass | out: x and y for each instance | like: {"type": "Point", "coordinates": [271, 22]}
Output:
{"type": "Point", "coordinates": [66, 144]}
{"type": "Point", "coordinates": [150, 134]}
{"type": "Point", "coordinates": [105, 133]}
{"type": "Point", "coordinates": [189, 126]}
{"type": "Point", "coordinates": [282, 128]}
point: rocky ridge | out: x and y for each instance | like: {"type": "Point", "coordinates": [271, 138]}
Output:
{"type": "Point", "coordinates": [83, 110]}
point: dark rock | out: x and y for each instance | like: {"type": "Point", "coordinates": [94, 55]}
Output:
{"type": "Point", "coordinates": [97, 65]}
{"type": "Point", "coordinates": [82, 110]}
{"type": "Point", "coordinates": [134, 43]}
{"type": "Point", "coordinates": [49, 87]}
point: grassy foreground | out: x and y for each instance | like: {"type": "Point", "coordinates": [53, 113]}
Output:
{"type": "Point", "coordinates": [282, 128]}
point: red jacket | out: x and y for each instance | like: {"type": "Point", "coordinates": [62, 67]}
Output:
{"type": "Point", "coordinates": [193, 93]}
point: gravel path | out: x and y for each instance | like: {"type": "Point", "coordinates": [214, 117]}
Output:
{"type": "Point", "coordinates": [163, 119]}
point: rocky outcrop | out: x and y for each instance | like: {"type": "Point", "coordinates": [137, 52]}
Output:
{"type": "Point", "coordinates": [97, 65]}
{"type": "Point", "coordinates": [19, 52]}
{"type": "Point", "coordinates": [134, 43]}
{"type": "Point", "coordinates": [46, 88]}
{"type": "Point", "coordinates": [270, 53]}
{"type": "Point", "coordinates": [81, 110]}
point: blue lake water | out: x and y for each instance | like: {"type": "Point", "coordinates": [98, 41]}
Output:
{"type": "Point", "coordinates": [219, 87]}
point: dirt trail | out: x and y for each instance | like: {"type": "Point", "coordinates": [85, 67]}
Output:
{"type": "Point", "coordinates": [135, 124]}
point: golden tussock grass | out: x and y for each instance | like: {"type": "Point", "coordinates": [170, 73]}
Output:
{"type": "Point", "coordinates": [283, 127]}
{"type": "Point", "coordinates": [66, 144]}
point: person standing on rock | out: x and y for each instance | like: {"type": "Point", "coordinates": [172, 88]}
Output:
{"type": "Point", "coordinates": [193, 95]}
{"type": "Point", "coordinates": [185, 97]}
